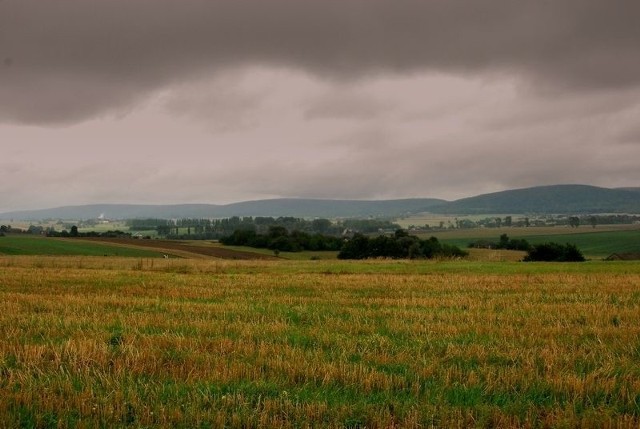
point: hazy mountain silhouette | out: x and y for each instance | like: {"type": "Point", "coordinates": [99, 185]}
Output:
{"type": "Point", "coordinates": [271, 207]}
{"type": "Point", "coordinates": [548, 199]}
{"type": "Point", "coordinates": [559, 199]}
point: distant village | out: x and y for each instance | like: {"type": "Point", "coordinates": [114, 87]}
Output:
{"type": "Point", "coordinates": [214, 228]}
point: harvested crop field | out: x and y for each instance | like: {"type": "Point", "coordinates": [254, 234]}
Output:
{"type": "Point", "coordinates": [372, 344]}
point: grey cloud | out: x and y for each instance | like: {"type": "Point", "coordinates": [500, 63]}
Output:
{"type": "Point", "coordinates": [629, 135]}
{"type": "Point", "coordinates": [592, 106]}
{"type": "Point", "coordinates": [60, 100]}
{"type": "Point", "coordinates": [343, 104]}
{"type": "Point", "coordinates": [222, 106]}
{"type": "Point", "coordinates": [624, 127]}
{"type": "Point", "coordinates": [339, 179]}
{"type": "Point", "coordinates": [70, 60]}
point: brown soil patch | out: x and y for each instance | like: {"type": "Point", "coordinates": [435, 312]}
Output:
{"type": "Point", "coordinates": [179, 248]}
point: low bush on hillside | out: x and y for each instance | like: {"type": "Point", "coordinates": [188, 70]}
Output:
{"type": "Point", "coordinates": [554, 252]}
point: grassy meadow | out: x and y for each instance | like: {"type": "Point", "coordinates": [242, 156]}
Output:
{"type": "Point", "coordinates": [25, 244]}
{"type": "Point", "coordinates": [144, 342]}
{"type": "Point", "coordinates": [594, 243]}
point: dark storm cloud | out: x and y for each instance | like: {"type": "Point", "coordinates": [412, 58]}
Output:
{"type": "Point", "coordinates": [69, 60]}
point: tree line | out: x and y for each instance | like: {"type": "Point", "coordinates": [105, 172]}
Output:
{"type": "Point", "coordinates": [401, 245]}
{"type": "Point", "coordinates": [546, 252]}
{"type": "Point", "coordinates": [278, 238]}
{"type": "Point", "coordinates": [206, 229]}
{"type": "Point", "coordinates": [72, 232]}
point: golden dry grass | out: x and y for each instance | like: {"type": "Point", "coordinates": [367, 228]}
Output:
{"type": "Point", "coordinates": [101, 342]}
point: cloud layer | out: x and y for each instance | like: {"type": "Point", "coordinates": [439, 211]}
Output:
{"type": "Point", "coordinates": [69, 60]}
{"type": "Point", "coordinates": [213, 101]}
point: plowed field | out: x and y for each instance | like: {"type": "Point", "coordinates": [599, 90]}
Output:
{"type": "Point", "coordinates": [180, 248]}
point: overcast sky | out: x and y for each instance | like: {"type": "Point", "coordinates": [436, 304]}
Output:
{"type": "Point", "coordinates": [165, 101]}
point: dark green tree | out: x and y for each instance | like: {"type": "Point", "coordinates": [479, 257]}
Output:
{"type": "Point", "coordinates": [554, 252]}
{"type": "Point", "coordinates": [356, 248]}
{"type": "Point", "coordinates": [320, 225]}
{"type": "Point", "coordinates": [277, 231]}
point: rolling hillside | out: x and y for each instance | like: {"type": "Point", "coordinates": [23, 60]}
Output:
{"type": "Point", "coordinates": [548, 199]}
{"type": "Point", "coordinates": [567, 199]}
{"type": "Point", "coordinates": [273, 207]}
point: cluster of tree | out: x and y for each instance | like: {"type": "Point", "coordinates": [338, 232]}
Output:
{"type": "Point", "coordinates": [538, 221]}
{"type": "Point", "coordinates": [150, 224]}
{"type": "Point", "coordinates": [278, 238]}
{"type": "Point", "coordinates": [499, 222]}
{"type": "Point", "coordinates": [50, 231]}
{"type": "Point", "coordinates": [493, 222]}
{"type": "Point", "coordinates": [216, 228]}
{"type": "Point", "coordinates": [610, 219]}
{"type": "Point", "coordinates": [5, 229]}
{"type": "Point", "coordinates": [399, 246]}
{"type": "Point", "coordinates": [503, 243]}
{"type": "Point", "coordinates": [73, 232]}
{"type": "Point", "coordinates": [488, 222]}
{"type": "Point", "coordinates": [594, 220]}
{"type": "Point", "coordinates": [368, 226]}
{"type": "Point", "coordinates": [573, 221]}
{"type": "Point", "coordinates": [68, 230]}
{"type": "Point", "coordinates": [554, 252]}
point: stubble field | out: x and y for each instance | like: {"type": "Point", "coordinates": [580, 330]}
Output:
{"type": "Point", "coordinates": [116, 342]}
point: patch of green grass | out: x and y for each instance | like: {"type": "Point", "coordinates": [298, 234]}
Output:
{"type": "Point", "coordinates": [597, 244]}
{"type": "Point", "coordinates": [593, 243]}
{"type": "Point", "coordinates": [37, 245]}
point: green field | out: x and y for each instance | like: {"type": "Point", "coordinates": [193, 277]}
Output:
{"type": "Point", "coordinates": [597, 244]}
{"type": "Point", "coordinates": [37, 245]}
{"type": "Point", "coordinates": [594, 243]}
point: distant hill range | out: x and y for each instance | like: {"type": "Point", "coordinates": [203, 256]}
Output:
{"type": "Point", "coordinates": [558, 199]}
{"type": "Point", "coordinates": [561, 199]}
{"type": "Point", "coordinates": [273, 207]}
{"type": "Point", "coordinates": [630, 189]}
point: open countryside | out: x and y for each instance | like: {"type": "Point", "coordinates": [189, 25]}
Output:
{"type": "Point", "coordinates": [130, 323]}
{"type": "Point", "coordinates": [596, 243]}
{"type": "Point", "coordinates": [312, 214]}
{"type": "Point", "coordinates": [227, 336]}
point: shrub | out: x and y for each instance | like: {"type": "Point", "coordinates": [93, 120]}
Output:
{"type": "Point", "coordinates": [554, 252]}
